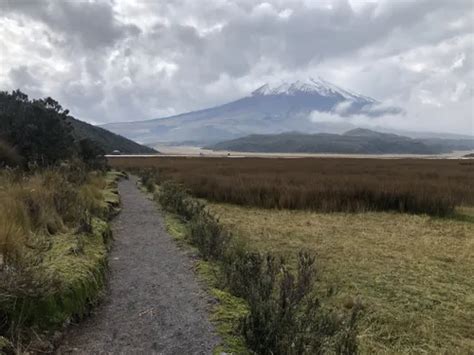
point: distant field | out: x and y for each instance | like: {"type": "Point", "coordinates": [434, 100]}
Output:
{"type": "Point", "coordinates": [196, 151]}
{"type": "Point", "coordinates": [433, 186]}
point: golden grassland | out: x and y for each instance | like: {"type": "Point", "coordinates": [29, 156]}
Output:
{"type": "Point", "coordinates": [413, 273]}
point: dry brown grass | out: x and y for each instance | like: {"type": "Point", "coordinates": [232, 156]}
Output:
{"type": "Point", "coordinates": [321, 184]}
{"type": "Point", "coordinates": [413, 273]}
{"type": "Point", "coordinates": [14, 230]}
{"type": "Point", "coordinates": [34, 207]}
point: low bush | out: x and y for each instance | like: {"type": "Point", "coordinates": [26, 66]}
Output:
{"type": "Point", "coordinates": [205, 231]}
{"type": "Point", "coordinates": [284, 315]}
{"type": "Point", "coordinates": [148, 180]}
{"type": "Point", "coordinates": [176, 199]}
{"type": "Point", "coordinates": [208, 235]}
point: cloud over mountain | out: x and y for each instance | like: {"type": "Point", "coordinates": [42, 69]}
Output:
{"type": "Point", "coordinates": [129, 60]}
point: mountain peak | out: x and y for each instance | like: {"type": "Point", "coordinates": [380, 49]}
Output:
{"type": "Point", "coordinates": [316, 86]}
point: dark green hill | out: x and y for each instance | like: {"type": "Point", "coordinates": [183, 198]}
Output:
{"type": "Point", "coordinates": [107, 140]}
{"type": "Point", "coordinates": [42, 133]}
{"type": "Point", "coordinates": [357, 141]}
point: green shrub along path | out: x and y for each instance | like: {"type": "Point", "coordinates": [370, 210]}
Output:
{"type": "Point", "coordinates": [154, 303]}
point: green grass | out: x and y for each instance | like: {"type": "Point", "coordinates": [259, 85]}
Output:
{"type": "Point", "coordinates": [412, 273]}
{"type": "Point", "coordinates": [229, 310]}
{"type": "Point", "coordinates": [75, 267]}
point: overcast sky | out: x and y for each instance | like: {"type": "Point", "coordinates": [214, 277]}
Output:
{"type": "Point", "coordinates": [126, 60]}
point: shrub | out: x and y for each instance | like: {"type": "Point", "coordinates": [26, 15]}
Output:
{"type": "Point", "coordinates": [148, 180]}
{"type": "Point", "coordinates": [205, 231]}
{"type": "Point", "coordinates": [285, 317]}
{"type": "Point", "coordinates": [208, 235]}
{"type": "Point", "coordinates": [174, 198]}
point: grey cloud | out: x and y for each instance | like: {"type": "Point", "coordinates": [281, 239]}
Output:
{"type": "Point", "coordinates": [307, 37]}
{"type": "Point", "coordinates": [92, 24]}
{"type": "Point", "coordinates": [128, 60]}
{"type": "Point", "coordinates": [21, 77]}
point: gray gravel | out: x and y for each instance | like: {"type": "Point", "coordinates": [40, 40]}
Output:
{"type": "Point", "coordinates": [154, 304]}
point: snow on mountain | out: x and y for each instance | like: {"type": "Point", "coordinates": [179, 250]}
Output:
{"type": "Point", "coordinates": [311, 86]}
{"type": "Point", "coordinates": [269, 109]}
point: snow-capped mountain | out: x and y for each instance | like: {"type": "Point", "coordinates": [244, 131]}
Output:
{"type": "Point", "coordinates": [317, 86]}
{"type": "Point", "coordinates": [269, 109]}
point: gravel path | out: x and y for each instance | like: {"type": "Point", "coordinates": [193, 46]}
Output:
{"type": "Point", "coordinates": [154, 304]}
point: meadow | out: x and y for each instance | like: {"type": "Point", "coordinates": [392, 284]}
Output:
{"type": "Point", "coordinates": [433, 187]}
{"type": "Point", "coordinates": [407, 263]}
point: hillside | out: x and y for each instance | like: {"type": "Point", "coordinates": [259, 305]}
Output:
{"type": "Point", "coordinates": [107, 140]}
{"type": "Point", "coordinates": [357, 141]}
{"type": "Point", "coordinates": [40, 131]}
{"type": "Point", "coordinates": [270, 109]}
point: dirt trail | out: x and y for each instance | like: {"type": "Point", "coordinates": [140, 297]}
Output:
{"type": "Point", "coordinates": [154, 304]}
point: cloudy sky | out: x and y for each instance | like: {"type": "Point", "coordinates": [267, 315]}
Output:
{"type": "Point", "coordinates": [126, 60]}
